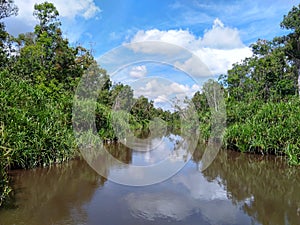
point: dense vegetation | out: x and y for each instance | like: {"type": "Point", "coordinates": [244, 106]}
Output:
{"type": "Point", "coordinates": [263, 104]}
{"type": "Point", "coordinates": [263, 96]}
{"type": "Point", "coordinates": [39, 73]}
{"type": "Point", "coordinates": [40, 70]}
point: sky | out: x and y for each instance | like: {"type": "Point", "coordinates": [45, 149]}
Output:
{"type": "Point", "coordinates": [216, 32]}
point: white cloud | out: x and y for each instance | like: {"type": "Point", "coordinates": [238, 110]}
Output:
{"type": "Point", "coordinates": [155, 46]}
{"type": "Point", "coordinates": [67, 8]}
{"type": "Point", "coordinates": [138, 71]}
{"type": "Point", "coordinates": [195, 88]}
{"type": "Point", "coordinates": [155, 88]}
{"type": "Point", "coordinates": [221, 37]}
{"type": "Point", "coordinates": [161, 99]}
{"type": "Point", "coordinates": [218, 49]}
{"type": "Point", "coordinates": [180, 37]}
{"type": "Point", "coordinates": [163, 92]}
{"type": "Point", "coordinates": [194, 66]}
{"type": "Point", "coordinates": [220, 60]}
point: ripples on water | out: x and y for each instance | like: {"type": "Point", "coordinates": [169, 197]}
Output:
{"type": "Point", "coordinates": [235, 189]}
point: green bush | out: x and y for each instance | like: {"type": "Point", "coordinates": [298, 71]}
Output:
{"type": "Point", "coordinates": [273, 129]}
{"type": "Point", "coordinates": [35, 127]}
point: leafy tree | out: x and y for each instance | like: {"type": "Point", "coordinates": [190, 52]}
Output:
{"type": "Point", "coordinates": [272, 72]}
{"type": "Point", "coordinates": [47, 15]}
{"type": "Point", "coordinates": [7, 9]}
{"type": "Point", "coordinates": [121, 97]}
{"type": "Point", "coordinates": [267, 75]}
{"type": "Point", "coordinates": [200, 102]}
{"type": "Point", "coordinates": [24, 40]}
{"type": "Point", "coordinates": [45, 57]}
{"type": "Point", "coordinates": [142, 110]}
{"type": "Point", "coordinates": [261, 108]}
{"type": "Point", "coordinates": [291, 42]}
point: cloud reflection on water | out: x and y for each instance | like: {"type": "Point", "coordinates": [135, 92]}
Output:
{"type": "Point", "coordinates": [190, 193]}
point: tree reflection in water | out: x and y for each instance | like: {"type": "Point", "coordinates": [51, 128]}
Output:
{"type": "Point", "coordinates": [52, 195]}
{"type": "Point", "coordinates": [267, 186]}
{"type": "Point", "coordinates": [235, 189]}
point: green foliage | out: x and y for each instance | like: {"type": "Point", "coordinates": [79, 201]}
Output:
{"type": "Point", "coordinates": [142, 110]}
{"type": "Point", "coordinates": [103, 122]}
{"type": "Point", "coordinates": [262, 104]}
{"type": "Point", "coordinates": [291, 42]}
{"type": "Point", "coordinates": [267, 75]}
{"type": "Point", "coordinates": [36, 89]}
{"type": "Point", "coordinates": [45, 57]}
{"type": "Point", "coordinates": [272, 129]}
{"type": "Point", "coordinates": [36, 127]}
{"type": "Point", "coordinates": [7, 9]}
{"type": "Point", "coordinates": [291, 21]}
{"type": "Point", "coordinates": [47, 15]}
{"type": "Point", "coordinates": [5, 160]}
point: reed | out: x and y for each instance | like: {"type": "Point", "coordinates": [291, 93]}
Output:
{"type": "Point", "coordinates": [273, 129]}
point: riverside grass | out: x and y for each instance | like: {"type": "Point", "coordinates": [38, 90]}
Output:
{"type": "Point", "coordinates": [266, 128]}
{"type": "Point", "coordinates": [36, 99]}
{"type": "Point", "coordinates": [35, 128]}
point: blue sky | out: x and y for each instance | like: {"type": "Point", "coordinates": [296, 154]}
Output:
{"type": "Point", "coordinates": [218, 32]}
{"type": "Point", "coordinates": [122, 19]}
{"type": "Point", "coordinates": [109, 23]}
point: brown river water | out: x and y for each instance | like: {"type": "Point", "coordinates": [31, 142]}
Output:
{"type": "Point", "coordinates": [236, 189]}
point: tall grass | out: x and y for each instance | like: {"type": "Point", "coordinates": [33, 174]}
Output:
{"type": "Point", "coordinates": [35, 127]}
{"type": "Point", "coordinates": [269, 128]}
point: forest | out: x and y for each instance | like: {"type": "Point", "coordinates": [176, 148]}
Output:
{"type": "Point", "coordinates": [40, 70]}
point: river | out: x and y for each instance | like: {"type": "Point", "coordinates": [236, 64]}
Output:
{"type": "Point", "coordinates": [236, 189]}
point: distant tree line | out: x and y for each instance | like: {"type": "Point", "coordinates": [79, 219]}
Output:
{"type": "Point", "coordinates": [40, 70]}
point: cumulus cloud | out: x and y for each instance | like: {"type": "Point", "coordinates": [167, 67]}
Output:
{"type": "Point", "coordinates": [216, 51]}
{"type": "Point", "coordinates": [195, 88]}
{"type": "Point", "coordinates": [161, 99]}
{"type": "Point", "coordinates": [138, 71]}
{"type": "Point", "coordinates": [155, 88]}
{"type": "Point", "coordinates": [155, 46]}
{"type": "Point", "coordinates": [68, 10]}
{"type": "Point", "coordinates": [221, 37]}
{"type": "Point", "coordinates": [164, 92]}
{"type": "Point", "coordinates": [180, 37]}
{"type": "Point", "coordinates": [220, 60]}
{"type": "Point", "coordinates": [194, 66]}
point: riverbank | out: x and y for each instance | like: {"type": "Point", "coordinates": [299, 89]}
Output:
{"type": "Point", "coordinates": [40, 74]}
{"type": "Point", "coordinates": [266, 128]}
